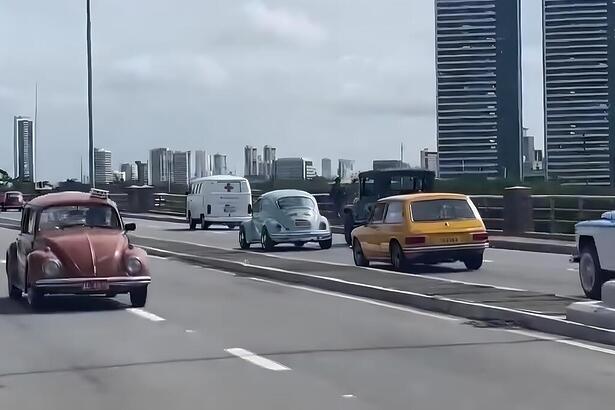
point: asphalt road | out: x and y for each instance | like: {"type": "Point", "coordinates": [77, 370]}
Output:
{"type": "Point", "coordinates": [310, 349]}
{"type": "Point", "coordinates": [541, 272]}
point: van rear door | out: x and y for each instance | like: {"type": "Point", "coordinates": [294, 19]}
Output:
{"type": "Point", "coordinates": [229, 198]}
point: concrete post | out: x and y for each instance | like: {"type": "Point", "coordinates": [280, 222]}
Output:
{"type": "Point", "coordinates": [140, 199]}
{"type": "Point", "coordinates": [518, 211]}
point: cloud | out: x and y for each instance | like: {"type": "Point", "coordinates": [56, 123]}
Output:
{"type": "Point", "coordinates": [289, 25]}
{"type": "Point", "coordinates": [190, 68]}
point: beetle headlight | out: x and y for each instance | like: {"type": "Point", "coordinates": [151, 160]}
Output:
{"type": "Point", "coordinates": [52, 268]}
{"type": "Point", "coordinates": [133, 265]}
{"type": "Point", "coordinates": [323, 226]}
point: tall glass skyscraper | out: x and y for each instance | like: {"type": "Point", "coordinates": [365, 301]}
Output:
{"type": "Point", "coordinates": [478, 74]}
{"type": "Point", "coordinates": [578, 52]}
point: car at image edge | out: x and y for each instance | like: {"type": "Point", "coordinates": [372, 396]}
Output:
{"type": "Point", "coordinates": [75, 243]}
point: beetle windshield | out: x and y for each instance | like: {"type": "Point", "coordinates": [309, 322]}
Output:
{"type": "Point", "coordinates": [94, 216]}
{"type": "Point", "coordinates": [296, 202]}
{"type": "Point", "coordinates": [441, 210]}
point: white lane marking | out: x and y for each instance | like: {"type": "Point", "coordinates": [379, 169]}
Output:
{"type": "Point", "coordinates": [358, 299]}
{"type": "Point", "coordinates": [322, 262]}
{"type": "Point", "coordinates": [2, 261]}
{"type": "Point", "coordinates": [487, 261]}
{"type": "Point", "coordinates": [572, 270]}
{"type": "Point", "coordinates": [555, 339]}
{"type": "Point", "coordinates": [256, 359]}
{"type": "Point", "coordinates": [349, 396]}
{"type": "Point", "coordinates": [146, 315]}
{"type": "Point", "coordinates": [189, 331]}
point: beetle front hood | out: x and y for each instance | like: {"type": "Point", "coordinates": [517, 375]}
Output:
{"type": "Point", "coordinates": [88, 251]}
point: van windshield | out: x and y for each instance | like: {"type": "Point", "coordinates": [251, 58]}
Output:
{"type": "Point", "coordinates": [441, 210]}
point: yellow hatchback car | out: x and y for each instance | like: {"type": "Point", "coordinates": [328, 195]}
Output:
{"type": "Point", "coordinates": [422, 228]}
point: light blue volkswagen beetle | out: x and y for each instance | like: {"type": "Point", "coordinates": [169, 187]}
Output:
{"type": "Point", "coordinates": [285, 216]}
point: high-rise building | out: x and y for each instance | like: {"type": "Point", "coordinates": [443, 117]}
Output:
{"type": "Point", "coordinates": [429, 160]}
{"type": "Point", "coordinates": [142, 173]}
{"type": "Point", "coordinates": [220, 165]}
{"type": "Point", "coordinates": [24, 149]}
{"type": "Point", "coordinates": [103, 171]}
{"type": "Point", "coordinates": [294, 169]}
{"type": "Point", "coordinates": [180, 168]}
{"type": "Point", "coordinates": [261, 165]}
{"type": "Point", "coordinates": [130, 171]}
{"type": "Point", "coordinates": [269, 156]}
{"type": "Point", "coordinates": [160, 162]}
{"type": "Point", "coordinates": [579, 88]}
{"type": "Point", "coordinates": [527, 152]}
{"type": "Point", "coordinates": [478, 75]}
{"type": "Point", "coordinates": [379, 164]}
{"type": "Point", "coordinates": [201, 164]}
{"type": "Point", "coordinates": [345, 168]}
{"type": "Point", "coordinates": [325, 168]}
{"type": "Point", "coordinates": [250, 167]}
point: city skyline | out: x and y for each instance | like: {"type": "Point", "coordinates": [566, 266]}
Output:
{"type": "Point", "coordinates": [373, 86]}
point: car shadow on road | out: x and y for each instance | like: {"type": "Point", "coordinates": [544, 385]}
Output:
{"type": "Point", "coordinates": [59, 304]}
{"type": "Point", "coordinates": [425, 270]}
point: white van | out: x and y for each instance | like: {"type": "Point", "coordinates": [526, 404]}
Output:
{"type": "Point", "coordinates": [220, 199]}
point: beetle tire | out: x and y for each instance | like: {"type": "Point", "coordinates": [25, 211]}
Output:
{"type": "Point", "coordinates": [266, 242]}
{"type": "Point", "coordinates": [243, 240]}
{"type": "Point", "coordinates": [589, 255]}
{"type": "Point", "coordinates": [138, 297]}
{"type": "Point", "coordinates": [326, 244]}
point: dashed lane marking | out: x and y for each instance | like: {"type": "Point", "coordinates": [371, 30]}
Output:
{"type": "Point", "coordinates": [146, 315]}
{"type": "Point", "coordinates": [257, 360]}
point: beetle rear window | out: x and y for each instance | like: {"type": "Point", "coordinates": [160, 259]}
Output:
{"type": "Point", "coordinates": [296, 202]}
{"type": "Point", "coordinates": [441, 210]}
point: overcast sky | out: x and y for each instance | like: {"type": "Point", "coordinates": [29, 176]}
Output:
{"type": "Point", "coordinates": [335, 78]}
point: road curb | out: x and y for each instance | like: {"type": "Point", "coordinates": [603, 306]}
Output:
{"type": "Point", "coordinates": [561, 249]}
{"type": "Point", "coordinates": [461, 308]}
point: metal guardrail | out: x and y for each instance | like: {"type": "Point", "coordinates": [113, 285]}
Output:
{"type": "Point", "coordinates": [552, 213]}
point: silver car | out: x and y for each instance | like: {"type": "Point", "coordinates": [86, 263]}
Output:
{"type": "Point", "coordinates": [285, 216]}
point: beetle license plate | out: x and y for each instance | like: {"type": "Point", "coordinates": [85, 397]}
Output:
{"type": "Point", "coordinates": [96, 285]}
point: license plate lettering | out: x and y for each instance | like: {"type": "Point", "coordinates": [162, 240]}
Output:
{"type": "Point", "coordinates": [96, 285]}
{"type": "Point", "coordinates": [451, 239]}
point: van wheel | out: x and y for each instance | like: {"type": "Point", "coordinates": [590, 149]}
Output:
{"type": "Point", "coordinates": [243, 241]}
{"type": "Point", "coordinates": [192, 222]}
{"type": "Point", "coordinates": [591, 274]}
{"type": "Point", "coordinates": [204, 224]}
{"type": "Point", "coordinates": [266, 242]}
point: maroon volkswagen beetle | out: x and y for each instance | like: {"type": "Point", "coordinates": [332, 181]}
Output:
{"type": "Point", "coordinates": [11, 200]}
{"type": "Point", "coordinates": [75, 243]}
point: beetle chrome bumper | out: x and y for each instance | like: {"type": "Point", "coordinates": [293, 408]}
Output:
{"type": "Point", "coordinates": [114, 284]}
{"type": "Point", "coordinates": [226, 219]}
{"type": "Point", "coordinates": [301, 236]}
{"type": "Point", "coordinates": [410, 250]}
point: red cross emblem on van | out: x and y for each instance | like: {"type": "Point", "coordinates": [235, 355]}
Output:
{"type": "Point", "coordinates": [229, 187]}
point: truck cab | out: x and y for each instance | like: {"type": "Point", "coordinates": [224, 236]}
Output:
{"type": "Point", "coordinates": [377, 184]}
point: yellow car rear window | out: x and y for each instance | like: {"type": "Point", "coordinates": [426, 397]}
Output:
{"type": "Point", "coordinates": [441, 210]}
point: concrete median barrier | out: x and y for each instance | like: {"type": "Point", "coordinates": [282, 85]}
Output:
{"type": "Point", "coordinates": [531, 310]}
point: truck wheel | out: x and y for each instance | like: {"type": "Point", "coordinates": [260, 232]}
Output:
{"type": "Point", "coordinates": [266, 242]}
{"type": "Point", "coordinates": [138, 297]}
{"type": "Point", "coordinates": [348, 227]}
{"type": "Point", "coordinates": [243, 241]}
{"type": "Point", "coordinates": [357, 253]}
{"type": "Point", "coordinates": [591, 275]}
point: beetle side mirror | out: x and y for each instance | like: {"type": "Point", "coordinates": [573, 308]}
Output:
{"type": "Point", "coordinates": [130, 227]}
